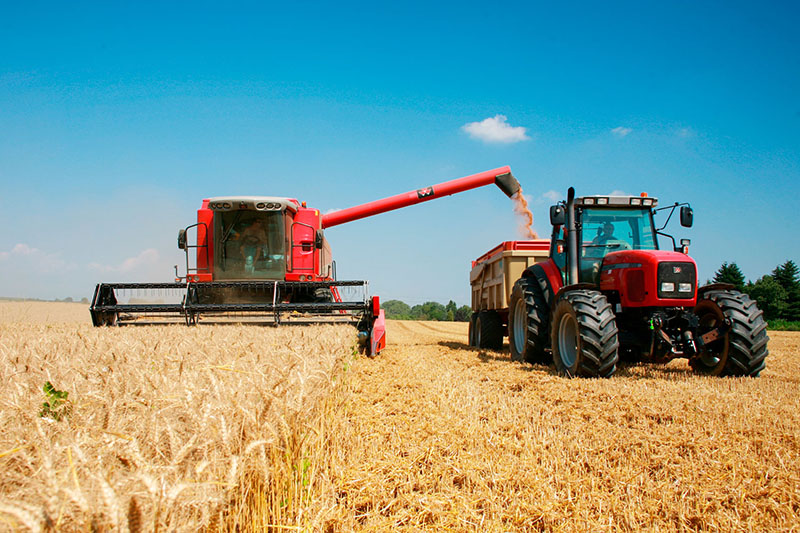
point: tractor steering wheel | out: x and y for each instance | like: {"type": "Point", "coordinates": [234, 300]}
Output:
{"type": "Point", "coordinates": [617, 244]}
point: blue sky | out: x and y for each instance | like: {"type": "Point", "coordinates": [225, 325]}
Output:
{"type": "Point", "coordinates": [117, 120]}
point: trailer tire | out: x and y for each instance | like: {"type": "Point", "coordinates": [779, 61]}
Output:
{"type": "Point", "coordinates": [742, 351]}
{"type": "Point", "coordinates": [584, 335]}
{"type": "Point", "coordinates": [471, 334]}
{"type": "Point", "coordinates": [528, 321]}
{"type": "Point", "coordinates": [489, 330]}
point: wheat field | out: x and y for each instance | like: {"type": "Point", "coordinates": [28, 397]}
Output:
{"type": "Point", "coordinates": [249, 428]}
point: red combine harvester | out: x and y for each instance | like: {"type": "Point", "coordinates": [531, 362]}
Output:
{"type": "Point", "coordinates": [262, 258]}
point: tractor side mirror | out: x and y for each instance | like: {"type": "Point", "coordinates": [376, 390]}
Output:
{"type": "Point", "coordinates": [318, 240]}
{"type": "Point", "coordinates": [182, 239]}
{"type": "Point", "coordinates": [687, 216]}
{"type": "Point", "coordinates": [558, 216]}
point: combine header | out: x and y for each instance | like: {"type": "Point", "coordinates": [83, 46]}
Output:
{"type": "Point", "coordinates": [266, 259]}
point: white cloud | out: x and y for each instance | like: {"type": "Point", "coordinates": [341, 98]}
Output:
{"type": "Point", "coordinates": [332, 210]}
{"type": "Point", "coordinates": [621, 131]}
{"type": "Point", "coordinates": [145, 258]}
{"type": "Point", "coordinates": [34, 259]}
{"type": "Point", "coordinates": [24, 249]}
{"type": "Point", "coordinates": [552, 196]}
{"type": "Point", "coordinates": [685, 133]}
{"type": "Point", "coordinates": [618, 192]}
{"type": "Point", "coordinates": [495, 130]}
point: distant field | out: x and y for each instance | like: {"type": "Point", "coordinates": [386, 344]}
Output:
{"type": "Point", "coordinates": [244, 427]}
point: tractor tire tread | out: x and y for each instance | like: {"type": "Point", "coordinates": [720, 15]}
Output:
{"type": "Point", "coordinates": [538, 316]}
{"type": "Point", "coordinates": [598, 331]}
{"type": "Point", "coordinates": [747, 338]}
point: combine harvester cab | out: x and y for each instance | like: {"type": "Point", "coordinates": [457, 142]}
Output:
{"type": "Point", "coordinates": [266, 259]}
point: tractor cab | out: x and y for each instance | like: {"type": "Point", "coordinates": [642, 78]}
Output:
{"type": "Point", "coordinates": [606, 224]}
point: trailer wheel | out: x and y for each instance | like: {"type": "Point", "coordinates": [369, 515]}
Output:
{"type": "Point", "coordinates": [471, 334]}
{"type": "Point", "coordinates": [489, 330]}
{"type": "Point", "coordinates": [527, 322]}
{"type": "Point", "coordinates": [742, 350]}
{"type": "Point", "coordinates": [584, 335]}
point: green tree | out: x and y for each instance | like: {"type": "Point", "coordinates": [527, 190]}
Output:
{"type": "Point", "coordinates": [450, 310]}
{"type": "Point", "coordinates": [463, 313]}
{"type": "Point", "coordinates": [396, 310]}
{"type": "Point", "coordinates": [429, 311]}
{"type": "Point", "coordinates": [788, 276]}
{"type": "Point", "coordinates": [769, 295]}
{"type": "Point", "coordinates": [730, 273]}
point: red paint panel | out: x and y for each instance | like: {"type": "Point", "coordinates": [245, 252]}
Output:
{"type": "Point", "coordinates": [553, 274]}
{"type": "Point", "coordinates": [534, 245]}
{"type": "Point", "coordinates": [305, 257]}
{"type": "Point", "coordinates": [205, 262]}
{"type": "Point", "coordinates": [640, 290]}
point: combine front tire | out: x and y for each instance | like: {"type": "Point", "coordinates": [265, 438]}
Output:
{"type": "Point", "coordinates": [527, 322]}
{"type": "Point", "coordinates": [584, 335]}
{"type": "Point", "coordinates": [488, 331]}
{"type": "Point", "coordinates": [742, 350]}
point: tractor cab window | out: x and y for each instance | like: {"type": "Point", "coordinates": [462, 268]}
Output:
{"type": "Point", "coordinates": [611, 230]}
{"type": "Point", "coordinates": [250, 245]}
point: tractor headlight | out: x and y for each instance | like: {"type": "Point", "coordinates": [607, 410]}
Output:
{"type": "Point", "coordinates": [684, 287]}
{"type": "Point", "coordinates": [667, 287]}
{"type": "Point", "coordinates": [647, 201]}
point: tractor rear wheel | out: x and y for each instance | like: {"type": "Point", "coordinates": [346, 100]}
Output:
{"type": "Point", "coordinates": [527, 322]}
{"type": "Point", "coordinates": [489, 330]}
{"type": "Point", "coordinates": [584, 335]}
{"type": "Point", "coordinates": [742, 350]}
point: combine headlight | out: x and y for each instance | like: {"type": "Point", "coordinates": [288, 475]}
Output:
{"type": "Point", "coordinates": [636, 201]}
{"type": "Point", "coordinates": [647, 201]}
{"type": "Point", "coordinates": [226, 205]}
{"type": "Point", "coordinates": [588, 201]}
{"type": "Point", "coordinates": [602, 201]}
{"type": "Point", "coordinates": [667, 287]}
{"type": "Point", "coordinates": [261, 205]}
{"type": "Point", "coordinates": [684, 287]}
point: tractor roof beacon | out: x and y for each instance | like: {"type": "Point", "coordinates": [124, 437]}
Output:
{"type": "Point", "coordinates": [607, 291]}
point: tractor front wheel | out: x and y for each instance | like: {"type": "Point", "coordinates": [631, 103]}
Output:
{"type": "Point", "coordinates": [584, 335]}
{"type": "Point", "coordinates": [527, 322]}
{"type": "Point", "coordinates": [742, 350]}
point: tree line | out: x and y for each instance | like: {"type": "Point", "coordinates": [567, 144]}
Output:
{"type": "Point", "coordinates": [397, 310]}
{"type": "Point", "coordinates": [777, 294]}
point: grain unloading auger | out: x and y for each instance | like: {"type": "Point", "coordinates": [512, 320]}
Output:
{"type": "Point", "coordinates": [266, 259]}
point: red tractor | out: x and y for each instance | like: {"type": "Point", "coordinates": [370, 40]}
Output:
{"type": "Point", "coordinates": [607, 290]}
{"type": "Point", "coordinates": [263, 257]}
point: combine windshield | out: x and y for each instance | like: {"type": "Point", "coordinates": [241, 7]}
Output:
{"type": "Point", "coordinates": [250, 245]}
{"type": "Point", "coordinates": [610, 230]}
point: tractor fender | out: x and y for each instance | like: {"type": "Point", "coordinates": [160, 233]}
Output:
{"type": "Point", "coordinates": [714, 287]}
{"type": "Point", "coordinates": [548, 277]}
{"type": "Point", "coordinates": [575, 287]}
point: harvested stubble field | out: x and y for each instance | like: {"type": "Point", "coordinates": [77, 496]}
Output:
{"type": "Point", "coordinates": [430, 435]}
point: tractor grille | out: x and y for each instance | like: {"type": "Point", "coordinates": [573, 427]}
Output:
{"type": "Point", "coordinates": [676, 280]}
